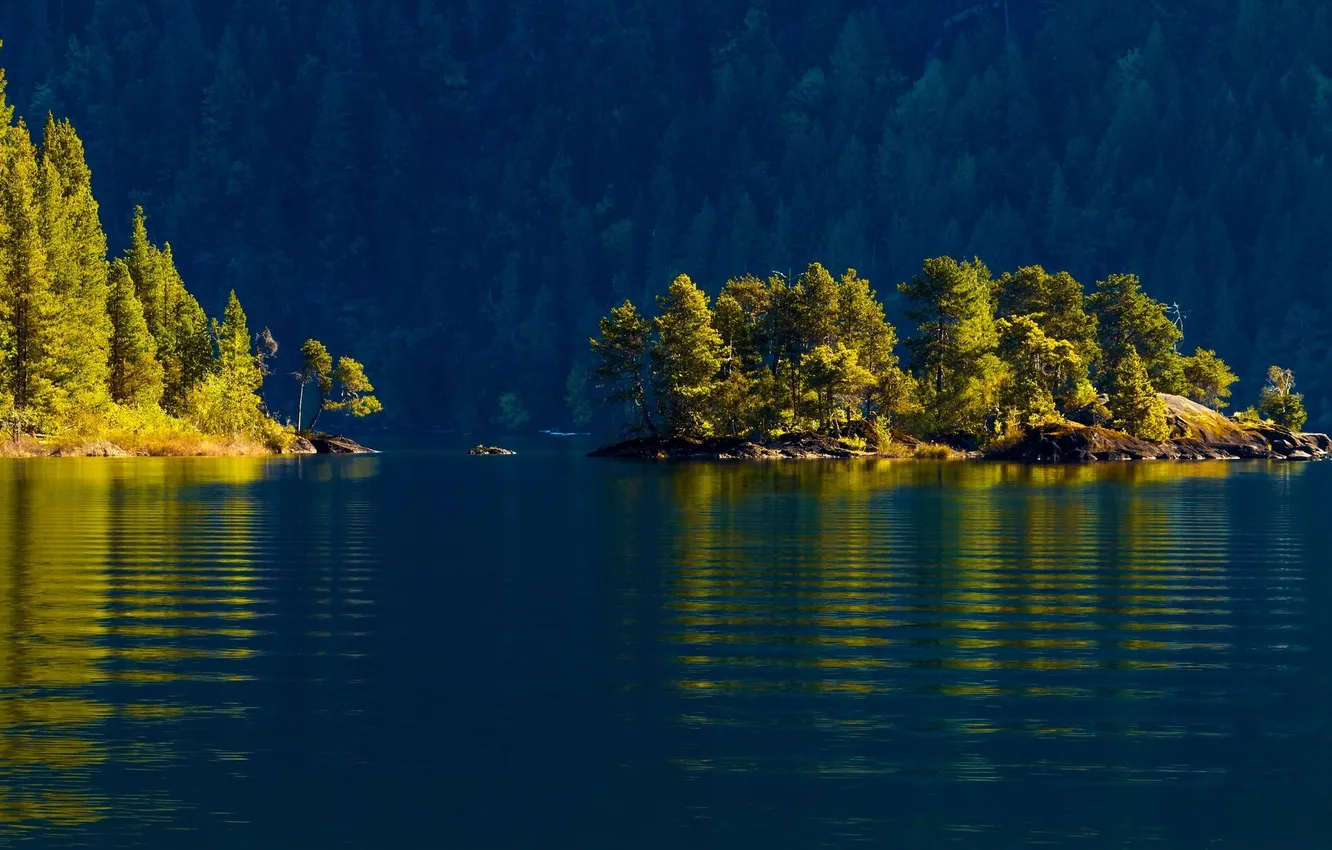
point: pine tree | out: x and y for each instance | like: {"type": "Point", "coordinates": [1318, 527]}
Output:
{"type": "Point", "coordinates": [175, 319]}
{"type": "Point", "coordinates": [354, 390]}
{"type": "Point", "coordinates": [227, 401]}
{"type": "Point", "coordinates": [1208, 378]}
{"type": "Point", "coordinates": [738, 315]}
{"type": "Point", "coordinates": [141, 260]}
{"type": "Point", "coordinates": [622, 369]}
{"type": "Point", "coordinates": [317, 369]}
{"type": "Point", "coordinates": [1039, 368]}
{"type": "Point", "coordinates": [1057, 303]}
{"type": "Point", "coordinates": [686, 358]}
{"type": "Point", "coordinates": [861, 325]}
{"type": "Point", "coordinates": [1137, 409]}
{"type": "Point", "coordinates": [837, 378]}
{"type": "Point", "coordinates": [135, 375]}
{"type": "Point", "coordinates": [818, 293]}
{"type": "Point", "coordinates": [1279, 401]}
{"type": "Point", "coordinates": [953, 351]}
{"type": "Point", "coordinates": [1129, 318]}
{"type": "Point", "coordinates": [76, 253]}
{"type": "Point", "coordinates": [186, 327]}
{"type": "Point", "coordinates": [29, 309]}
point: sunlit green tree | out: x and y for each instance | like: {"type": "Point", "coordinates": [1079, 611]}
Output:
{"type": "Point", "coordinates": [686, 358]}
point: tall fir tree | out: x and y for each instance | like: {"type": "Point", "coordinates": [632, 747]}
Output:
{"type": "Point", "coordinates": [175, 319]}
{"type": "Point", "coordinates": [953, 350]}
{"type": "Point", "coordinates": [1137, 409]}
{"type": "Point", "coordinates": [1129, 318]}
{"type": "Point", "coordinates": [76, 253]}
{"type": "Point", "coordinates": [135, 375]}
{"type": "Point", "coordinates": [29, 308]}
{"type": "Point", "coordinates": [686, 359]}
{"type": "Point", "coordinates": [227, 400]}
{"type": "Point", "coordinates": [622, 371]}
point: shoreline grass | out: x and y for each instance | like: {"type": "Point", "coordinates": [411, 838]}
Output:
{"type": "Point", "coordinates": [154, 443]}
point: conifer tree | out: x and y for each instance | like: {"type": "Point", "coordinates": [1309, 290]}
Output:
{"type": "Point", "coordinates": [1208, 378]}
{"type": "Point", "coordinates": [76, 253]}
{"type": "Point", "coordinates": [736, 404]}
{"type": "Point", "coordinates": [785, 333]}
{"type": "Point", "coordinates": [622, 369]}
{"type": "Point", "coordinates": [838, 378]}
{"type": "Point", "coordinates": [29, 309]}
{"type": "Point", "coordinates": [354, 390]}
{"type": "Point", "coordinates": [6, 111]}
{"type": "Point", "coordinates": [738, 316]}
{"type": "Point", "coordinates": [135, 375]}
{"type": "Point", "coordinates": [1137, 409]}
{"type": "Point", "coordinates": [685, 358]}
{"type": "Point", "coordinates": [953, 350]}
{"type": "Point", "coordinates": [818, 293]}
{"type": "Point", "coordinates": [188, 329]}
{"type": "Point", "coordinates": [861, 327]}
{"type": "Point", "coordinates": [1039, 369]}
{"type": "Point", "coordinates": [174, 317]}
{"type": "Point", "coordinates": [1279, 402]}
{"type": "Point", "coordinates": [1129, 318]}
{"type": "Point", "coordinates": [227, 401]}
{"type": "Point", "coordinates": [317, 369]}
{"type": "Point", "coordinates": [1057, 303]}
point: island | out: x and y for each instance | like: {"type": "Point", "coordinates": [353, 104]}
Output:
{"type": "Point", "coordinates": [1027, 366]}
{"type": "Point", "coordinates": [105, 357]}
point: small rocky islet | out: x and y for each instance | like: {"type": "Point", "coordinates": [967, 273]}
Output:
{"type": "Point", "coordinates": [1197, 433]}
{"type": "Point", "coordinates": [327, 445]}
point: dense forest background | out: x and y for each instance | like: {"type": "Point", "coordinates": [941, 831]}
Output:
{"type": "Point", "coordinates": [462, 187]}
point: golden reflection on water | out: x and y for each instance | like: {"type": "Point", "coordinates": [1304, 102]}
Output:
{"type": "Point", "coordinates": [119, 577]}
{"type": "Point", "coordinates": [942, 619]}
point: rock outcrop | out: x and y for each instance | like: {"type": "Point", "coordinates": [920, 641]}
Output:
{"type": "Point", "coordinates": [339, 446]}
{"type": "Point", "coordinates": [490, 450]}
{"type": "Point", "coordinates": [300, 446]}
{"type": "Point", "coordinates": [1196, 433]}
{"type": "Point", "coordinates": [787, 446]}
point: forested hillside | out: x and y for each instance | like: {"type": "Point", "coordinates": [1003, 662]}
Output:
{"type": "Point", "coordinates": [462, 187]}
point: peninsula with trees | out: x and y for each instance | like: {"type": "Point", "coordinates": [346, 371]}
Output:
{"type": "Point", "coordinates": [115, 356]}
{"type": "Point", "coordinates": [1026, 365]}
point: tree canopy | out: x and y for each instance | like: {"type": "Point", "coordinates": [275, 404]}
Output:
{"type": "Point", "coordinates": [987, 358]}
{"type": "Point", "coordinates": [457, 191]}
{"type": "Point", "coordinates": [89, 345]}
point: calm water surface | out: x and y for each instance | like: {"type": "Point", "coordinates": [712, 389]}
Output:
{"type": "Point", "coordinates": [430, 650]}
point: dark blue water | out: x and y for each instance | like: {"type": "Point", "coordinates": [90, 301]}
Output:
{"type": "Point", "coordinates": [431, 650]}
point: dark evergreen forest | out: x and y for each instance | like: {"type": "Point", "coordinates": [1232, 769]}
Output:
{"type": "Point", "coordinates": [460, 188]}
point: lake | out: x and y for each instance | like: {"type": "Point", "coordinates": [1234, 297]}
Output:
{"type": "Point", "coordinates": [424, 649]}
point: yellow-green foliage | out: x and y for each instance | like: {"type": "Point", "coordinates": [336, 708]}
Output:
{"type": "Point", "coordinates": [1138, 410]}
{"type": "Point", "coordinates": [1279, 402]}
{"type": "Point", "coordinates": [686, 358]}
{"type": "Point", "coordinates": [99, 357]}
{"type": "Point", "coordinates": [990, 357]}
{"type": "Point", "coordinates": [936, 451]}
{"type": "Point", "coordinates": [1208, 379]}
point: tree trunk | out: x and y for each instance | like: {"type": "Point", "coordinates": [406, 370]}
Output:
{"type": "Point", "coordinates": [300, 403]}
{"type": "Point", "coordinates": [640, 401]}
{"type": "Point", "coordinates": [795, 382]}
{"type": "Point", "coordinates": [318, 411]}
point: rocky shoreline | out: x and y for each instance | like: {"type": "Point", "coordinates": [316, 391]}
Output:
{"type": "Point", "coordinates": [788, 446]}
{"type": "Point", "coordinates": [327, 445]}
{"type": "Point", "coordinates": [1197, 433]}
